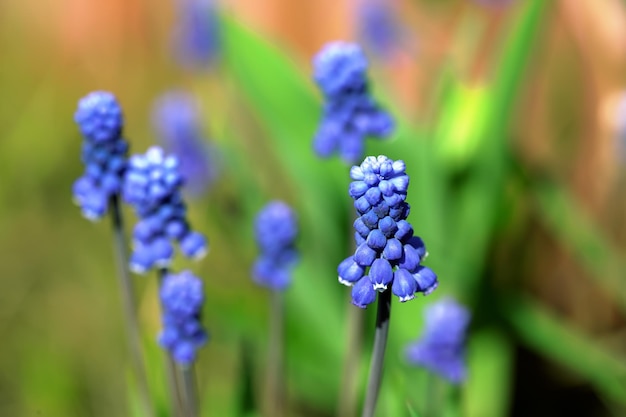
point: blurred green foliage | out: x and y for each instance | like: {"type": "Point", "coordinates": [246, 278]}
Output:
{"type": "Point", "coordinates": [60, 315]}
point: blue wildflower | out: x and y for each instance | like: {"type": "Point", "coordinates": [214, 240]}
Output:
{"type": "Point", "coordinates": [181, 300]}
{"type": "Point", "coordinates": [385, 241]}
{"type": "Point", "coordinates": [442, 346]}
{"type": "Point", "coordinates": [349, 114]}
{"type": "Point", "coordinates": [377, 26]}
{"type": "Point", "coordinates": [275, 230]}
{"type": "Point", "coordinates": [99, 118]}
{"type": "Point", "coordinates": [197, 33]}
{"type": "Point", "coordinates": [177, 121]}
{"type": "Point", "coordinates": [152, 186]}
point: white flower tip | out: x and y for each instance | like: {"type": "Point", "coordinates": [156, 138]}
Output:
{"type": "Point", "coordinates": [431, 289]}
{"type": "Point", "coordinates": [200, 253]}
{"type": "Point", "coordinates": [344, 282]}
{"type": "Point", "coordinates": [138, 269]}
{"type": "Point", "coordinates": [407, 298]}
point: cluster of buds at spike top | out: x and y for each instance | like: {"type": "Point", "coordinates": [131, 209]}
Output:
{"type": "Point", "coordinates": [152, 186]}
{"type": "Point", "coordinates": [350, 114]}
{"type": "Point", "coordinates": [99, 118]}
{"type": "Point", "coordinates": [387, 254]}
{"type": "Point", "coordinates": [275, 230]}
{"type": "Point", "coordinates": [442, 346]}
{"type": "Point", "coordinates": [181, 299]}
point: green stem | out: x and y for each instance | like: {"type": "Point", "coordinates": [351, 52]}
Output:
{"type": "Point", "coordinates": [275, 359]}
{"type": "Point", "coordinates": [378, 355]}
{"type": "Point", "coordinates": [188, 390]}
{"type": "Point", "coordinates": [120, 248]}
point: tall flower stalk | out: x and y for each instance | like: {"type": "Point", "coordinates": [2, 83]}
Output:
{"type": "Point", "coordinates": [350, 115]}
{"type": "Point", "coordinates": [275, 230]}
{"type": "Point", "coordinates": [100, 121]}
{"type": "Point", "coordinates": [388, 256]}
{"type": "Point", "coordinates": [152, 186]}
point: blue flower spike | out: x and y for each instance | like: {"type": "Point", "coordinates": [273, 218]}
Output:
{"type": "Point", "coordinates": [388, 255]}
{"type": "Point", "coordinates": [176, 118]}
{"type": "Point", "coordinates": [99, 119]}
{"type": "Point", "coordinates": [349, 114]}
{"type": "Point", "coordinates": [182, 298]}
{"type": "Point", "coordinates": [275, 230]}
{"type": "Point", "coordinates": [442, 346]}
{"type": "Point", "coordinates": [152, 186]}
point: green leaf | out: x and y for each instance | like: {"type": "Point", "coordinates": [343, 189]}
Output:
{"type": "Point", "coordinates": [576, 232]}
{"type": "Point", "coordinates": [490, 369]}
{"type": "Point", "coordinates": [480, 198]}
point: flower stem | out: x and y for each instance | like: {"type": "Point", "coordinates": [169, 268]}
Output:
{"type": "Point", "coordinates": [275, 360]}
{"type": "Point", "coordinates": [188, 389]}
{"type": "Point", "coordinates": [378, 355]}
{"type": "Point", "coordinates": [120, 248]}
{"type": "Point", "coordinates": [176, 398]}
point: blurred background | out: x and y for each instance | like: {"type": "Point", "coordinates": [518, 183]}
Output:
{"type": "Point", "coordinates": [511, 119]}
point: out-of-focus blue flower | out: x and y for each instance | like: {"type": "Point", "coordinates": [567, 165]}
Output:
{"type": "Point", "coordinates": [378, 27]}
{"type": "Point", "coordinates": [442, 346]}
{"type": "Point", "coordinates": [176, 119]}
{"type": "Point", "coordinates": [181, 300]}
{"type": "Point", "coordinates": [99, 118]}
{"type": "Point", "coordinates": [197, 33]}
{"type": "Point", "coordinates": [152, 186]}
{"type": "Point", "coordinates": [494, 3]}
{"type": "Point", "coordinates": [620, 127]}
{"type": "Point", "coordinates": [350, 114]}
{"type": "Point", "coordinates": [275, 229]}
{"type": "Point", "coordinates": [385, 241]}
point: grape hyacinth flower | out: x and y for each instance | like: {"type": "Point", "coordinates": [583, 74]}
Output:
{"type": "Point", "coordinates": [494, 3]}
{"type": "Point", "coordinates": [442, 346]}
{"type": "Point", "coordinates": [99, 118]}
{"type": "Point", "coordinates": [181, 299]}
{"type": "Point", "coordinates": [350, 114]}
{"type": "Point", "coordinates": [385, 241]}
{"type": "Point", "coordinates": [176, 119]}
{"type": "Point", "coordinates": [197, 33]}
{"type": "Point", "coordinates": [152, 186]}
{"type": "Point", "coordinates": [378, 27]}
{"type": "Point", "coordinates": [275, 230]}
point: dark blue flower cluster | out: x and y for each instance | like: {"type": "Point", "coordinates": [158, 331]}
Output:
{"type": "Point", "coordinates": [350, 114]}
{"type": "Point", "coordinates": [197, 34]}
{"type": "Point", "coordinates": [442, 346]}
{"type": "Point", "coordinates": [181, 300]}
{"type": "Point", "coordinates": [275, 230]}
{"type": "Point", "coordinates": [177, 122]}
{"type": "Point", "coordinates": [99, 118]}
{"type": "Point", "coordinates": [152, 186]}
{"type": "Point", "coordinates": [385, 241]}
